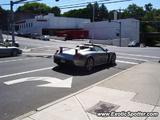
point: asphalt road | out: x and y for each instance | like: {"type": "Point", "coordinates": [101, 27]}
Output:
{"type": "Point", "coordinates": [27, 94]}
{"type": "Point", "coordinates": [20, 98]}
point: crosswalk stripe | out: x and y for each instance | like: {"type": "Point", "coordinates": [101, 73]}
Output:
{"type": "Point", "coordinates": [132, 58]}
{"type": "Point", "coordinates": [127, 62]}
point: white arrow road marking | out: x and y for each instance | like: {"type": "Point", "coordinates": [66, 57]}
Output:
{"type": "Point", "coordinates": [52, 82]}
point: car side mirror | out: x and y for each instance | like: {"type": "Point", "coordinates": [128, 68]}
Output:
{"type": "Point", "coordinates": [106, 50]}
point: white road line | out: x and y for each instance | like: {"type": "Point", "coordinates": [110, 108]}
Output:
{"type": "Point", "coordinates": [156, 57]}
{"type": "Point", "coordinates": [132, 58]}
{"type": "Point", "coordinates": [41, 54]}
{"type": "Point", "coordinates": [21, 73]}
{"type": "Point", "coordinates": [127, 62]}
{"type": "Point", "coordinates": [47, 68]}
{"type": "Point", "coordinates": [17, 60]}
{"type": "Point", "coordinates": [42, 47]}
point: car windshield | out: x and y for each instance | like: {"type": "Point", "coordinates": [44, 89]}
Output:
{"type": "Point", "coordinates": [97, 48]}
{"type": "Point", "coordinates": [82, 47]}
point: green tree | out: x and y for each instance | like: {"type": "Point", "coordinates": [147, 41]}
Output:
{"type": "Point", "coordinates": [157, 15]}
{"type": "Point", "coordinates": [4, 18]}
{"type": "Point", "coordinates": [96, 11]}
{"type": "Point", "coordinates": [90, 11]}
{"type": "Point", "coordinates": [133, 11]}
{"type": "Point", "coordinates": [34, 8]}
{"type": "Point", "coordinates": [56, 11]}
{"type": "Point", "coordinates": [148, 7]}
{"type": "Point", "coordinates": [100, 13]}
{"type": "Point", "coordinates": [103, 13]}
{"type": "Point", "coordinates": [81, 13]}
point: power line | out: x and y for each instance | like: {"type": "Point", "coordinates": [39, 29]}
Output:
{"type": "Point", "coordinates": [20, 2]}
{"type": "Point", "coordinates": [60, 6]}
{"type": "Point", "coordinates": [84, 3]}
{"type": "Point", "coordinates": [77, 6]}
{"type": "Point", "coordinates": [4, 4]}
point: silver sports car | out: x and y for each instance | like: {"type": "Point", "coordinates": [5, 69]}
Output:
{"type": "Point", "coordinates": [85, 55]}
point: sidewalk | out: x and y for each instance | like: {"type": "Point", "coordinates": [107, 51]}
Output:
{"type": "Point", "coordinates": [136, 90]}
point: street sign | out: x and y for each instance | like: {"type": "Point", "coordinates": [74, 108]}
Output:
{"type": "Point", "coordinates": [52, 82]}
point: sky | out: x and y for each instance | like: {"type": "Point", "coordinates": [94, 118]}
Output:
{"type": "Point", "coordinates": [113, 6]}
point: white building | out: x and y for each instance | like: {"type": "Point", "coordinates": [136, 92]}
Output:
{"type": "Point", "coordinates": [102, 32]}
{"type": "Point", "coordinates": [49, 21]}
{"type": "Point", "coordinates": [107, 32]}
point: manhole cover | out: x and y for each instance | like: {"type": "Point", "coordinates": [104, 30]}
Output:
{"type": "Point", "coordinates": [102, 107]}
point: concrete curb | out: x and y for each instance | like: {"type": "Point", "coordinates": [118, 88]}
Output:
{"type": "Point", "coordinates": [25, 115]}
{"type": "Point", "coordinates": [71, 95]}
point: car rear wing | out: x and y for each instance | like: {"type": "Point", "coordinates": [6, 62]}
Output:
{"type": "Point", "coordinates": [61, 49]}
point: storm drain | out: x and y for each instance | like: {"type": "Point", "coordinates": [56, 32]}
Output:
{"type": "Point", "coordinates": [102, 107]}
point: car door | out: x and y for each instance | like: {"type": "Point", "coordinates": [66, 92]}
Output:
{"type": "Point", "coordinates": [1, 52]}
{"type": "Point", "coordinates": [4, 52]}
{"type": "Point", "coordinates": [101, 56]}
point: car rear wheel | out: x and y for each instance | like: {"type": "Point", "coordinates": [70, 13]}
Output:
{"type": "Point", "coordinates": [113, 59]}
{"type": "Point", "coordinates": [89, 64]}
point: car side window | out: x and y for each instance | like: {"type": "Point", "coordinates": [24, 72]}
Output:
{"type": "Point", "coordinates": [98, 48]}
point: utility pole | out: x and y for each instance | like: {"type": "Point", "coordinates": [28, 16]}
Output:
{"type": "Point", "coordinates": [12, 17]}
{"type": "Point", "coordinates": [12, 22]}
{"type": "Point", "coordinates": [120, 14]}
{"type": "Point", "coordinates": [120, 36]}
{"type": "Point", "coordinates": [93, 13]}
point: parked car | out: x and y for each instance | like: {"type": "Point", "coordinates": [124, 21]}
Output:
{"type": "Point", "coordinates": [9, 42]}
{"type": "Point", "coordinates": [35, 36]}
{"type": "Point", "coordinates": [86, 55]}
{"type": "Point", "coordinates": [133, 44]}
{"type": "Point", "coordinates": [44, 37]}
{"type": "Point", "coordinates": [9, 51]}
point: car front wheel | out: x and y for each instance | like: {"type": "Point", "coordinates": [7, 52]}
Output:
{"type": "Point", "coordinates": [14, 53]}
{"type": "Point", "coordinates": [113, 59]}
